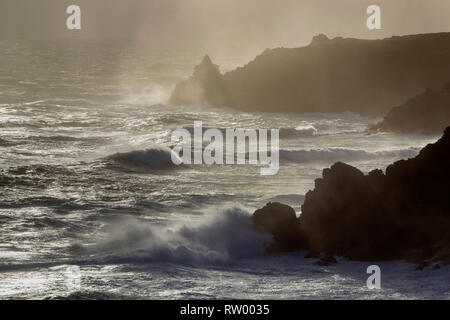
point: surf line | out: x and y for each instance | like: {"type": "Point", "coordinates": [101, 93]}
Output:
{"type": "Point", "coordinates": [233, 149]}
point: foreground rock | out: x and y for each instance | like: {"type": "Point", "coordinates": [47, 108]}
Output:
{"type": "Point", "coordinates": [280, 220]}
{"type": "Point", "coordinates": [403, 214]}
{"type": "Point", "coordinates": [361, 76]}
{"type": "Point", "coordinates": [428, 112]}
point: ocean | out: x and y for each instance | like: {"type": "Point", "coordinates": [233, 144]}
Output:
{"type": "Point", "coordinates": [91, 207]}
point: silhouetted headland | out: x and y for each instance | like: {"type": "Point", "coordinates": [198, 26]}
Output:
{"type": "Point", "coordinates": [329, 75]}
{"type": "Point", "coordinates": [428, 113]}
{"type": "Point", "coordinates": [402, 214]}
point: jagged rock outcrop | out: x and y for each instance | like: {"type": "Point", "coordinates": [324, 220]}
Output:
{"type": "Point", "coordinates": [319, 39]}
{"type": "Point", "coordinates": [361, 76]}
{"type": "Point", "coordinates": [204, 87]}
{"type": "Point", "coordinates": [403, 214]}
{"type": "Point", "coordinates": [428, 112]}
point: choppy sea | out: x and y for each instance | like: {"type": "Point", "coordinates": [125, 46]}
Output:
{"type": "Point", "coordinates": [90, 206]}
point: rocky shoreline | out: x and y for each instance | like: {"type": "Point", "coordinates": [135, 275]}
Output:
{"type": "Point", "coordinates": [401, 214]}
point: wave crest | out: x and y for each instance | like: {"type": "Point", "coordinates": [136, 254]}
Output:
{"type": "Point", "coordinates": [306, 130]}
{"type": "Point", "coordinates": [157, 157]}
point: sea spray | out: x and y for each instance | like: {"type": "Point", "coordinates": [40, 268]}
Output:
{"type": "Point", "coordinates": [223, 237]}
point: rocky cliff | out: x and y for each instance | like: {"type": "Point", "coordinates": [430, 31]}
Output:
{"type": "Point", "coordinates": [428, 112]}
{"type": "Point", "coordinates": [361, 76]}
{"type": "Point", "coordinates": [402, 214]}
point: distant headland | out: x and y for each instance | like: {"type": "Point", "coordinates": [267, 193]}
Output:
{"type": "Point", "coordinates": [330, 75]}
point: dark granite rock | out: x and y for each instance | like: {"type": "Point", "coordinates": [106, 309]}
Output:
{"type": "Point", "coordinates": [280, 220]}
{"type": "Point", "coordinates": [403, 214]}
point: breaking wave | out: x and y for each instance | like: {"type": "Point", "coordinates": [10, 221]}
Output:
{"type": "Point", "coordinates": [300, 131]}
{"type": "Point", "coordinates": [222, 238]}
{"type": "Point", "coordinates": [157, 157]}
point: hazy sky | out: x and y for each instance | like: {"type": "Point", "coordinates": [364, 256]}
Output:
{"type": "Point", "coordinates": [227, 25]}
